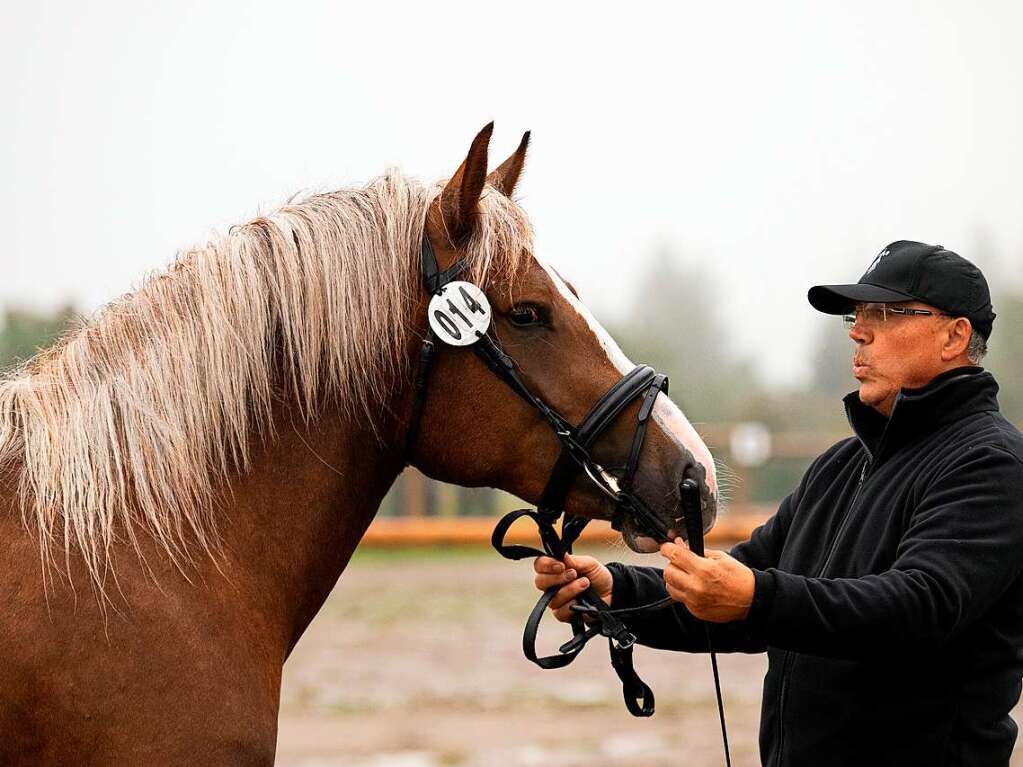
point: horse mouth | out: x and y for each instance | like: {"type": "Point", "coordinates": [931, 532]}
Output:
{"type": "Point", "coordinates": [638, 541]}
{"type": "Point", "coordinates": [643, 541]}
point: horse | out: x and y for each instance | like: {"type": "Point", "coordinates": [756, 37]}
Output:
{"type": "Point", "coordinates": [185, 475]}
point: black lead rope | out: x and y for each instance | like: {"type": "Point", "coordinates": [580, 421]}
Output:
{"type": "Point", "coordinates": [690, 495]}
{"type": "Point", "coordinates": [639, 698]}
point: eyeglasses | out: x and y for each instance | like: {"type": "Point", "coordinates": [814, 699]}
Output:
{"type": "Point", "coordinates": [871, 315]}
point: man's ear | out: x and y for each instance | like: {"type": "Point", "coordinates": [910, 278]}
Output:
{"type": "Point", "coordinates": [957, 339]}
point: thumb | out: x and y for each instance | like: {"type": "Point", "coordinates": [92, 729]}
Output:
{"type": "Point", "coordinates": [581, 565]}
{"type": "Point", "coordinates": [716, 554]}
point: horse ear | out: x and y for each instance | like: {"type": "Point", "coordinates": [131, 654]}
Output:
{"type": "Point", "coordinates": [506, 175]}
{"type": "Point", "coordinates": [460, 197]}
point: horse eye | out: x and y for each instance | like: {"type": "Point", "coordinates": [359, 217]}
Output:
{"type": "Point", "coordinates": [525, 315]}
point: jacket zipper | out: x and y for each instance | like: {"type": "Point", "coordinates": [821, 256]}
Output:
{"type": "Point", "coordinates": [827, 560]}
{"type": "Point", "coordinates": [845, 517]}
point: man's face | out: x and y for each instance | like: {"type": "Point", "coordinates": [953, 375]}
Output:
{"type": "Point", "coordinates": [896, 351]}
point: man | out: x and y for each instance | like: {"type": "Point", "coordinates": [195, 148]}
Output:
{"type": "Point", "coordinates": [887, 589]}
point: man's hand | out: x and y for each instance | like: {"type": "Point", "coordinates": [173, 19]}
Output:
{"type": "Point", "coordinates": [577, 573]}
{"type": "Point", "coordinates": [716, 588]}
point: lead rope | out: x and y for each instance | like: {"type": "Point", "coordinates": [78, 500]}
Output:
{"type": "Point", "coordinates": [690, 495]}
{"type": "Point", "coordinates": [639, 698]}
{"type": "Point", "coordinates": [717, 691]}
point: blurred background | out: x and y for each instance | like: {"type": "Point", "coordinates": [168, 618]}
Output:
{"type": "Point", "coordinates": [693, 170]}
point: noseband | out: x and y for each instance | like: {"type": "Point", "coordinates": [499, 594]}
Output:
{"type": "Point", "coordinates": [642, 383]}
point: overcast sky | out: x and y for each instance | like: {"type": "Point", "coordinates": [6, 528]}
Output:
{"type": "Point", "coordinates": [777, 144]}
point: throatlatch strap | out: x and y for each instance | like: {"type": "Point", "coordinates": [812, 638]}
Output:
{"type": "Point", "coordinates": [426, 352]}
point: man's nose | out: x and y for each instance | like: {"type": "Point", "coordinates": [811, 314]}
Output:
{"type": "Point", "coordinates": [859, 334]}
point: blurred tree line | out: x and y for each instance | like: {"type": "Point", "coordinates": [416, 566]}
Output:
{"type": "Point", "coordinates": [24, 331]}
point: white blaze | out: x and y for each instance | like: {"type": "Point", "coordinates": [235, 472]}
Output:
{"type": "Point", "coordinates": [667, 414]}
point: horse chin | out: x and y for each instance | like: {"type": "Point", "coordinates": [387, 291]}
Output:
{"type": "Point", "coordinates": [642, 544]}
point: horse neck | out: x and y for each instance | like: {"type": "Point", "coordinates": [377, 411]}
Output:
{"type": "Point", "coordinates": [296, 517]}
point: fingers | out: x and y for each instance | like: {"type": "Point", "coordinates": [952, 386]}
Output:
{"type": "Point", "coordinates": [548, 565]}
{"type": "Point", "coordinates": [565, 614]}
{"type": "Point", "coordinates": [678, 579]}
{"type": "Point", "coordinates": [567, 593]}
{"type": "Point", "coordinates": [546, 581]}
{"type": "Point", "coordinates": [678, 554]}
{"type": "Point", "coordinates": [579, 562]}
{"type": "Point", "coordinates": [582, 564]}
{"type": "Point", "coordinates": [562, 603]}
{"type": "Point", "coordinates": [567, 577]}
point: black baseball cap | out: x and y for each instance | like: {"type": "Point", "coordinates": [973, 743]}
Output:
{"type": "Point", "coordinates": [915, 271]}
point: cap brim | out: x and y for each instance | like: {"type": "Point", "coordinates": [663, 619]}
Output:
{"type": "Point", "coordinates": [839, 299]}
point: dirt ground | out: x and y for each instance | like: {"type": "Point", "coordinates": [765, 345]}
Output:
{"type": "Point", "coordinates": [415, 661]}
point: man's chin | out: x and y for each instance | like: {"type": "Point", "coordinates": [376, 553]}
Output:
{"type": "Point", "coordinates": [868, 394]}
{"type": "Point", "coordinates": [877, 397]}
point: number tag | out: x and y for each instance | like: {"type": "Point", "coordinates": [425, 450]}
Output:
{"type": "Point", "coordinates": [459, 314]}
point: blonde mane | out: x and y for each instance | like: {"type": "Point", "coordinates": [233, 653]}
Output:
{"type": "Point", "coordinates": [135, 419]}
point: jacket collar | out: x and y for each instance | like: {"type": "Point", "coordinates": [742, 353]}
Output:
{"type": "Point", "coordinates": [950, 396]}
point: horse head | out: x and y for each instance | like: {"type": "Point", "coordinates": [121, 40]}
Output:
{"type": "Point", "coordinates": [474, 430]}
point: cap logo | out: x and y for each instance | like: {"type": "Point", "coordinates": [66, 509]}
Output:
{"type": "Point", "coordinates": [876, 261]}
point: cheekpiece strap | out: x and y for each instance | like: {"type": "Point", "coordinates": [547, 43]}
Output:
{"type": "Point", "coordinates": [434, 280]}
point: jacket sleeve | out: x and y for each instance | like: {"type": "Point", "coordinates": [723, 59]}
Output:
{"type": "Point", "coordinates": [674, 627]}
{"type": "Point", "coordinates": [962, 550]}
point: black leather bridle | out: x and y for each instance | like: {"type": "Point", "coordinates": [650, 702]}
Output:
{"type": "Point", "coordinates": [642, 383]}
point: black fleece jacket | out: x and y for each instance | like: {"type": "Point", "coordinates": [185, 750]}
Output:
{"type": "Point", "coordinates": [889, 594]}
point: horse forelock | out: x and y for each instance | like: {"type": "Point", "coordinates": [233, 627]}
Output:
{"type": "Point", "coordinates": [138, 416]}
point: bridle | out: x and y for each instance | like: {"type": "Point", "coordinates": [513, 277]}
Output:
{"type": "Point", "coordinates": [642, 383]}
{"type": "Point", "coordinates": [576, 441]}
